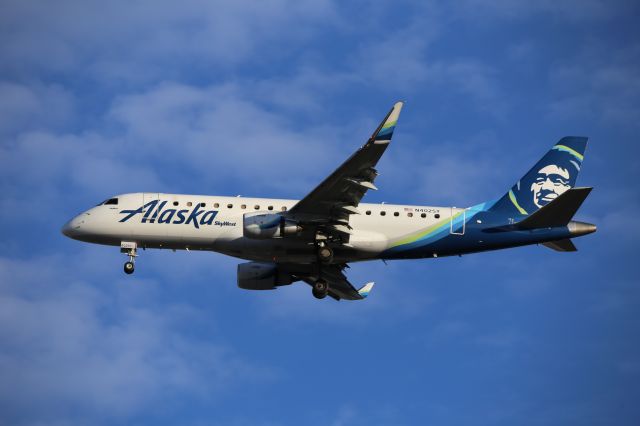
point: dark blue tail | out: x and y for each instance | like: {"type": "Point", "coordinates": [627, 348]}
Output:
{"type": "Point", "coordinates": [553, 175]}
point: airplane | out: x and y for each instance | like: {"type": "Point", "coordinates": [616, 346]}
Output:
{"type": "Point", "coordinates": [315, 238]}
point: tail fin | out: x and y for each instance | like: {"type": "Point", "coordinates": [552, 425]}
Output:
{"type": "Point", "coordinates": [552, 176]}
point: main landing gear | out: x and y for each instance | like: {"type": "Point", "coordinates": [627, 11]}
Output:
{"type": "Point", "coordinates": [320, 289]}
{"type": "Point", "coordinates": [131, 250]}
{"type": "Point", "coordinates": [324, 252]}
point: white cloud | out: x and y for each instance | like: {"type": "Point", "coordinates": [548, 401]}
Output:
{"type": "Point", "coordinates": [215, 134]}
{"type": "Point", "coordinates": [449, 172]}
{"type": "Point", "coordinates": [521, 9]}
{"type": "Point", "coordinates": [33, 106]}
{"type": "Point", "coordinates": [396, 61]}
{"type": "Point", "coordinates": [82, 353]}
{"type": "Point", "coordinates": [598, 84]}
{"type": "Point", "coordinates": [142, 40]}
{"type": "Point", "coordinates": [41, 169]}
{"type": "Point", "coordinates": [222, 130]}
{"type": "Point", "coordinates": [306, 88]}
{"type": "Point", "coordinates": [402, 62]}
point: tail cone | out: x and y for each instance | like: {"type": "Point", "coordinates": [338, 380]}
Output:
{"type": "Point", "coordinates": [581, 228]}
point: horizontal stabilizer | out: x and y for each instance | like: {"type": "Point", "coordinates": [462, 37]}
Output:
{"type": "Point", "coordinates": [561, 245]}
{"type": "Point", "coordinates": [558, 212]}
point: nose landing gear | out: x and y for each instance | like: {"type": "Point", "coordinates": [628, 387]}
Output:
{"type": "Point", "coordinates": [130, 249]}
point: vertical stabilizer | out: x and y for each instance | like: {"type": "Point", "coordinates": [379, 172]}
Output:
{"type": "Point", "coordinates": [552, 176]}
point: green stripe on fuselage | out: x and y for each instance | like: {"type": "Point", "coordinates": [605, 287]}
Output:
{"type": "Point", "coordinates": [426, 232]}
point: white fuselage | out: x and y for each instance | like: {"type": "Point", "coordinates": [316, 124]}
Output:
{"type": "Point", "coordinates": [201, 222]}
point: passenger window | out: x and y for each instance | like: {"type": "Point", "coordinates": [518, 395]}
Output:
{"type": "Point", "coordinates": [410, 214]}
{"type": "Point", "coordinates": [175, 203]}
{"type": "Point", "coordinates": [229, 206]}
{"type": "Point", "coordinates": [203, 205]}
{"type": "Point", "coordinates": [257, 207]}
{"type": "Point", "coordinates": [284, 208]}
{"type": "Point", "coordinates": [270, 208]}
{"type": "Point", "coordinates": [111, 202]}
{"type": "Point", "coordinates": [216, 205]}
{"type": "Point", "coordinates": [189, 203]}
{"type": "Point", "coordinates": [368, 212]}
{"type": "Point", "coordinates": [396, 214]}
{"type": "Point", "coordinates": [382, 213]}
{"type": "Point", "coordinates": [244, 206]}
{"type": "Point", "coordinates": [437, 215]}
{"type": "Point", "coordinates": [423, 215]}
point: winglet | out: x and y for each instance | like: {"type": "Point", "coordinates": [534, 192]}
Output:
{"type": "Point", "coordinates": [365, 289]}
{"type": "Point", "coordinates": [384, 131]}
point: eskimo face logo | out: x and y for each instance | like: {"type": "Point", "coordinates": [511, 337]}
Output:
{"type": "Point", "coordinates": [551, 181]}
{"type": "Point", "coordinates": [551, 177]}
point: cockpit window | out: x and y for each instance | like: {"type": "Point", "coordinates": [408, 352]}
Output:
{"type": "Point", "coordinates": [111, 201]}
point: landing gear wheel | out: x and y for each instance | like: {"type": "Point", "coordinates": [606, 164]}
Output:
{"type": "Point", "coordinates": [130, 248]}
{"type": "Point", "coordinates": [320, 289]}
{"type": "Point", "coordinates": [325, 254]}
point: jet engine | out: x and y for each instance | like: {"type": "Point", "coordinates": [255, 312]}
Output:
{"type": "Point", "coordinates": [262, 226]}
{"type": "Point", "coordinates": [261, 276]}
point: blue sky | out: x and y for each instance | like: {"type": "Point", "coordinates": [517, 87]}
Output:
{"type": "Point", "coordinates": [265, 99]}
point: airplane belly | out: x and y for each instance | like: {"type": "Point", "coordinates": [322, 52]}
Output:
{"type": "Point", "coordinates": [273, 250]}
{"type": "Point", "coordinates": [368, 242]}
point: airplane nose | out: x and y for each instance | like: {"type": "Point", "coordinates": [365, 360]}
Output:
{"type": "Point", "coordinates": [72, 228]}
{"type": "Point", "coordinates": [67, 229]}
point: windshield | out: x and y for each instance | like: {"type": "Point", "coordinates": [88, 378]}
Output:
{"type": "Point", "coordinates": [110, 201]}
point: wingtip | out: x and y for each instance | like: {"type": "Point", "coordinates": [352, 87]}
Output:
{"type": "Point", "coordinates": [397, 107]}
{"type": "Point", "coordinates": [393, 115]}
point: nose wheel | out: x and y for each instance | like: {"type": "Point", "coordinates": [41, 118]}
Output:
{"type": "Point", "coordinates": [131, 250]}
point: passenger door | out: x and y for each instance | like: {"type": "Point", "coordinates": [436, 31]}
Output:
{"type": "Point", "coordinates": [458, 221]}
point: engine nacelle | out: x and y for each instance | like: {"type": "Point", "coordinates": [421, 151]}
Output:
{"type": "Point", "coordinates": [262, 226]}
{"type": "Point", "coordinates": [261, 276]}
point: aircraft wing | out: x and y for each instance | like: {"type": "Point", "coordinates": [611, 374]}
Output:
{"type": "Point", "coordinates": [339, 285]}
{"type": "Point", "coordinates": [337, 197]}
